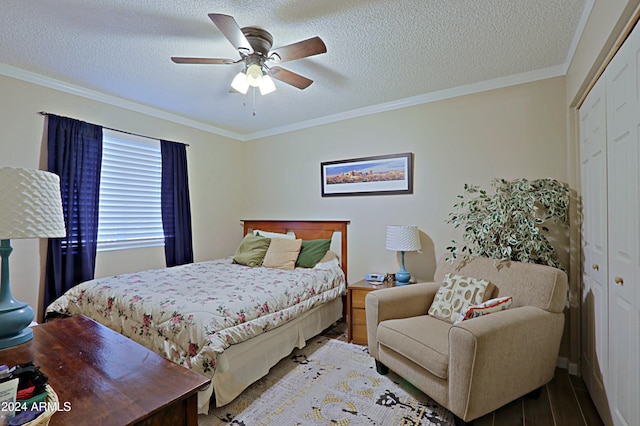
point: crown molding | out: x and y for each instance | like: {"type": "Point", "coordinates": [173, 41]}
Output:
{"type": "Point", "coordinates": [469, 89]}
{"type": "Point", "coordinates": [576, 37]}
{"type": "Point", "coordinates": [483, 86]}
{"type": "Point", "coordinates": [52, 83]}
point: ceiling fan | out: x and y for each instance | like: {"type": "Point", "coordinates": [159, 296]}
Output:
{"type": "Point", "coordinates": [254, 46]}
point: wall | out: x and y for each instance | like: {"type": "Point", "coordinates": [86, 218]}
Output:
{"type": "Point", "coordinates": [605, 23]}
{"type": "Point", "coordinates": [512, 132]}
{"type": "Point", "coordinates": [214, 181]}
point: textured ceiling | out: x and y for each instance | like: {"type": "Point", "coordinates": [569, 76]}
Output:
{"type": "Point", "coordinates": [379, 52]}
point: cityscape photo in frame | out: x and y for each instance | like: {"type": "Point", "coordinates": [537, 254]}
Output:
{"type": "Point", "coordinates": [379, 175]}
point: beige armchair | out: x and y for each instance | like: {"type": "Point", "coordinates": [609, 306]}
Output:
{"type": "Point", "coordinates": [481, 364]}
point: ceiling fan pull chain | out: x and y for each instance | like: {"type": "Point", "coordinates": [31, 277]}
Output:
{"type": "Point", "coordinates": [254, 101]}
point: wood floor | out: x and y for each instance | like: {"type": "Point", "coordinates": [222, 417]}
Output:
{"type": "Point", "coordinates": [564, 401]}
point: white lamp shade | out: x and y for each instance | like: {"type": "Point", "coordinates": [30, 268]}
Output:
{"type": "Point", "coordinates": [30, 204]}
{"type": "Point", "coordinates": [267, 86]}
{"type": "Point", "coordinates": [240, 83]}
{"type": "Point", "coordinates": [254, 75]}
{"type": "Point", "coordinates": [403, 238]}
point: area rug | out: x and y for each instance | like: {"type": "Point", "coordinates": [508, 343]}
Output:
{"type": "Point", "coordinates": [329, 382]}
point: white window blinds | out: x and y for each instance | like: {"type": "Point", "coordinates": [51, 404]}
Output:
{"type": "Point", "coordinates": [129, 213]}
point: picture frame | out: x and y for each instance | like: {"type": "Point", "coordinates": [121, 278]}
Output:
{"type": "Point", "coordinates": [378, 175]}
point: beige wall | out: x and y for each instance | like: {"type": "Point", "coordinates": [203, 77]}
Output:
{"type": "Point", "coordinates": [605, 23]}
{"type": "Point", "coordinates": [512, 132]}
{"type": "Point", "coordinates": [214, 178]}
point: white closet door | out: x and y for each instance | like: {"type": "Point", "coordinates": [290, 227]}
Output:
{"type": "Point", "coordinates": [623, 119]}
{"type": "Point", "coordinates": [595, 333]}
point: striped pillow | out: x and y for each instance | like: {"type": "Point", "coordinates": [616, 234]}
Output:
{"type": "Point", "coordinates": [490, 306]}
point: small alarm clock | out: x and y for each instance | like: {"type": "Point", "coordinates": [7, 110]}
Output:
{"type": "Point", "coordinates": [374, 277]}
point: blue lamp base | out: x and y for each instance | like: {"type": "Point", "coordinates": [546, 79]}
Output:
{"type": "Point", "coordinates": [15, 316]}
{"type": "Point", "coordinates": [23, 336]}
{"type": "Point", "coordinates": [402, 276]}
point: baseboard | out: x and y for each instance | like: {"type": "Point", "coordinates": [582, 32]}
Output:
{"type": "Point", "coordinates": [562, 362]}
{"type": "Point", "coordinates": [572, 367]}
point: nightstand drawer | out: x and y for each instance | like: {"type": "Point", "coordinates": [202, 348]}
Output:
{"type": "Point", "coordinates": [357, 298]}
{"type": "Point", "coordinates": [359, 316]}
{"type": "Point", "coordinates": [356, 315]}
{"type": "Point", "coordinates": [359, 334]}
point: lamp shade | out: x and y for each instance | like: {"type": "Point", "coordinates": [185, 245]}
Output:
{"type": "Point", "coordinates": [403, 238]}
{"type": "Point", "coordinates": [267, 86]}
{"type": "Point", "coordinates": [254, 75]}
{"type": "Point", "coordinates": [30, 204]}
{"type": "Point", "coordinates": [240, 83]}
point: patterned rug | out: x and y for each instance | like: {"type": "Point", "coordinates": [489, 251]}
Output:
{"type": "Point", "coordinates": [329, 382]}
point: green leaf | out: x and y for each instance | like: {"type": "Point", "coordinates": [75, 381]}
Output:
{"type": "Point", "coordinates": [508, 223]}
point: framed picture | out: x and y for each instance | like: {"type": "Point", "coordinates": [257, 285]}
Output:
{"type": "Point", "coordinates": [380, 175]}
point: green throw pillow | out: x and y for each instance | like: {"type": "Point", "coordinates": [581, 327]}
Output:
{"type": "Point", "coordinates": [252, 250]}
{"type": "Point", "coordinates": [312, 251]}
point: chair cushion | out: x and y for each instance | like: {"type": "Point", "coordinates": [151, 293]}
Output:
{"type": "Point", "coordinates": [423, 340]}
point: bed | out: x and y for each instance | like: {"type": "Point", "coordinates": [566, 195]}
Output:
{"type": "Point", "coordinates": [228, 322]}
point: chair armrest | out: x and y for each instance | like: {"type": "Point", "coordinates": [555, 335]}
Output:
{"type": "Point", "coordinates": [396, 302]}
{"type": "Point", "coordinates": [499, 357]}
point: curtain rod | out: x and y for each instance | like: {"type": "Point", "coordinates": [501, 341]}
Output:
{"type": "Point", "coordinates": [109, 128]}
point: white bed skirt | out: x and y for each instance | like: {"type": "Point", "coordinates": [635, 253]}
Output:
{"type": "Point", "coordinates": [241, 365]}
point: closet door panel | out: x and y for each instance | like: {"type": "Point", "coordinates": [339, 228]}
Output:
{"type": "Point", "coordinates": [593, 159]}
{"type": "Point", "coordinates": [623, 117]}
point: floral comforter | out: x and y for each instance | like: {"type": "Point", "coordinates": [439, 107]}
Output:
{"type": "Point", "coordinates": [192, 313]}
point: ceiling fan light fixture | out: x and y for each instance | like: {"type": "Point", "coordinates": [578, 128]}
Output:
{"type": "Point", "coordinates": [254, 75]}
{"type": "Point", "coordinates": [240, 83]}
{"type": "Point", "coordinates": [267, 86]}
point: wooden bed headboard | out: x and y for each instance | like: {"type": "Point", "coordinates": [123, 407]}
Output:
{"type": "Point", "coordinates": [306, 230]}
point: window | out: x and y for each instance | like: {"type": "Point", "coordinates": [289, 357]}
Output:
{"type": "Point", "coordinates": [129, 214]}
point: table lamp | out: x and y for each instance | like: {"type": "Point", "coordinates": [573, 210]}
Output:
{"type": "Point", "coordinates": [30, 207]}
{"type": "Point", "coordinates": [403, 238]}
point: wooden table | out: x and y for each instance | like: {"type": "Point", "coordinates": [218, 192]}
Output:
{"type": "Point", "coordinates": [106, 378]}
{"type": "Point", "coordinates": [356, 318]}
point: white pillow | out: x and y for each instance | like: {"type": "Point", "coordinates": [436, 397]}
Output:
{"type": "Point", "coordinates": [290, 235]}
{"type": "Point", "coordinates": [328, 261]}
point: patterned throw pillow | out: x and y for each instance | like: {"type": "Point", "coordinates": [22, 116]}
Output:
{"type": "Point", "coordinates": [455, 295]}
{"type": "Point", "coordinates": [490, 306]}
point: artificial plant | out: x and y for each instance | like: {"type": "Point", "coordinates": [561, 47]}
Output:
{"type": "Point", "coordinates": [511, 224]}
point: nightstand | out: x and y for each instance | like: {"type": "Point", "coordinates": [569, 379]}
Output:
{"type": "Point", "coordinates": [356, 318]}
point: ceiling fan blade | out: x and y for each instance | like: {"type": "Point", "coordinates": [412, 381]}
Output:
{"type": "Point", "coordinates": [301, 49]}
{"type": "Point", "coordinates": [289, 77]}
{"type": "Point", "coordinates": [231, 30]}
{"type": "Point", "coordinates": [183, 60]}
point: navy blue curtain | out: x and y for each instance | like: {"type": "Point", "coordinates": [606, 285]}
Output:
{"type": "Point", "coordinates": [74, 150]}
{"type": "Point", "coordinates": [176, 207]}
